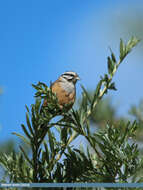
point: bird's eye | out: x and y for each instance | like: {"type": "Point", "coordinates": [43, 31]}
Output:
{"type": "Point", "coordinates": [70, 79]}
{"type": "Point", "coordinates": [70, 75]}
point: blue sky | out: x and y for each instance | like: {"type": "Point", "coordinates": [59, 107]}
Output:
{"type": "Point", "coordinates": [39, 40]}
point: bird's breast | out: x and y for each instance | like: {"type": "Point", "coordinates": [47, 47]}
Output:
{"type": "Point", "coordinates": [68, 87]}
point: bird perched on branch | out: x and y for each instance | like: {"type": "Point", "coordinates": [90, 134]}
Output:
{"type": "Point", "coordinates": [65, 90]}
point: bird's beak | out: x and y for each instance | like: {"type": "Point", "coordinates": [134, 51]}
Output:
{"type": "Point", "coordinates": [77, 78]}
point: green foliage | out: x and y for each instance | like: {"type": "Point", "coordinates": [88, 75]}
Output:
{"type": "Point", "coordinates": [137, 113]}
{"type": "Point", "coordinates": [126, 48]}
{"type": "Point", "coordinates": [17, 168]}
{"type": "Point", "coordinates": [111, 154]}
{"type": "Point", "coordinates": [7, 147]}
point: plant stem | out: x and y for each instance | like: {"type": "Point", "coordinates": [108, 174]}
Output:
{"type": "Point", "coordinates": [104, 89]}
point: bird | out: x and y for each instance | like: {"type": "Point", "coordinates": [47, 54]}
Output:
{"type": "Point", "coordinates": [65, 89]}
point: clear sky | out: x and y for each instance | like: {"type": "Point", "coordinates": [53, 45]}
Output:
{"type": "Point", "coordinates": [39, 40]}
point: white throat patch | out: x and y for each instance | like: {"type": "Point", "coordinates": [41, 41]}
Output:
{"type": "Point", "coordinates": [67, 86]}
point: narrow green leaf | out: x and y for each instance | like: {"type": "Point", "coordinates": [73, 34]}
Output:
{"type": "Point", "coordinates": [29, 124]}
{"type": "Point", "coordinates": [21, 164]}
{"type": "Point", "coordinates": [22, 138]}
{"type": "Point", "coordinates": [14, 156]}
{"type": "Point", "coordinates": [87, 95]}
{"type": "Point", "coordinates": [42, 84]}
{"type": "Point", "coordinates": [51, 141]}
{"type": "Point", "coordinates": [88, 128]}
{"type": "Point", "coordinates": [133, 128]}
{"type": "Point", "coordinates": [47, 152]}
{"type": "Point", "coordinates": [21, 160]}
{"type": "Point", "coordinates": [25, 155]}
{"type": "Point", "coordinates": [112, 86]}
{"type": "Point", "coordinates": [76, 116]}
{"type": "Point", "coordinates": [88, 154]}
{"type": "Point", "coordinates": [64, 134]}
{"type": "Point", "coordinates": [97, 92]}
{"type": "Point", "coordinates": [44, 159]}
{"type": "Point", "coordinates": [125, 132]}
{"type": "Point", "coordinates": [131, 43]}
{"type": "Point", "coordinates": [111, 65]}
{"type": "Point", "coordinates": [122, 49]}
{"type": "Point", "coordinates": [33, 118]}
{"type": "Point", "coordinates": [36, 87]}
{"type": "Point", "coordinates": [113, 56]}
{"type": "Point", "coordinates": [25, 131]}
{"type": "Point", "coordinates": [27, 108]}
{"type": "Point", "coordinates": [106, 78]}
{"type": "Point", "coordinates": [38, 106]}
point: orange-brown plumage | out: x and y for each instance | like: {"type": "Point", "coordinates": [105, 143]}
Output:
{"type": "Point", "coordinates": [63, 96]}
{"type": "Point", "coordinates": [64, 88]}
